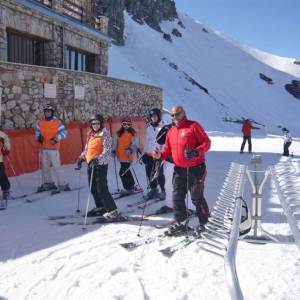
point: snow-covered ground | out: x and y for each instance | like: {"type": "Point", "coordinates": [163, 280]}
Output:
{"type": "Point", "coordinates": [42, 260]}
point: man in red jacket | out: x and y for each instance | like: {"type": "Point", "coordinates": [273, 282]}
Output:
{"type": "Point", "coordinates": [246, 129]}
{"type": "Point", "coordinates": [187, 143]}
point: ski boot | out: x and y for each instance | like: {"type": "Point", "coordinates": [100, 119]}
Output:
{"type": "Point", "coordinates": [96, 212]}
{"type": "Point", "coordinates": [152, 194]}
{"type": "Point", "coordinates": [47, 186]}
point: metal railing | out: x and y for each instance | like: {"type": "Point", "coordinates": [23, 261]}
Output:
{"type": "Point", "coordinates": [222, 230]}
{"type": "Point", "coordinates": [286, 179]}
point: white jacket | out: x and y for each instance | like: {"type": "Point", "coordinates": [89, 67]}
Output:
{"type": "Point", "coordinates": [287, 138]}
{"type": "Point", "coordinates": [6, 144]}
{"type": "Point", "coordinates": [151, 134]}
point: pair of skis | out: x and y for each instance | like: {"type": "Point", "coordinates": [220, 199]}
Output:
{"type": "Point", "coordinates": [187, 238]}
{"type": "Point", "coordinates": [74, 219]}
{"type": "Point", "coordinates": [30, 198]}
{"type": "Point", "coordinates": [118, 195]}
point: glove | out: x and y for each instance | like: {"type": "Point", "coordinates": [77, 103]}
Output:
{"type": "Point", "coordinates": [94, 163]}
{"type": "Point", "coordinates": [4, 151]}
{"type": "Point", "coordinates": [191, 153]}
{"type": "Point", "coordinates": [54, 141]}
{"type": "Point", "coordinates": [80, 160]}
{"type": "Point", "coordinates": [128, 151]}
{"type": "Point", "coordinates": [40, 139]}
{"type": "Point", "coordinates": [113, 153]}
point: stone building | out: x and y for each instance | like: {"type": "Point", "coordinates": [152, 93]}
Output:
{"type": "Point", "coordinates": [57, 51]}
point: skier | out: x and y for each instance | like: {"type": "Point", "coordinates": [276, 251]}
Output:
{"type": "Point", "coordinates": [187, 143]}
{"type": "Point", "coordinates": [246, 129]}
{"type": "Point", "coordinates": [97, 154]}
{"type": "Point", "coordinates": [287, 141]}
{"type": "Point", "coordinates": [4, 147]}
{"type": "Point", "coordinates": [168, 171]}
{"type": "Point", "coordinates": [155, 125]}
{"type": "Point", "coordinates": [125, 148]}
{"type": "Point", "coordinates": [49, 132]}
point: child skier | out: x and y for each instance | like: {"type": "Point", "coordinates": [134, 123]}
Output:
{"type": "Point", "coordinates": [125, 148]}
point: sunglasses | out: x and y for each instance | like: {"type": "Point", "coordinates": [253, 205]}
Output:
{"type": "Point", "coordinates": [176, 114]}
{"type": "Point", "coordinates": [95, 123]}
{"type": "Point", "coordinates": [126, 124]}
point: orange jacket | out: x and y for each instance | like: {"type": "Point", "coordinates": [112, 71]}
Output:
{"type": "Point", "coordinates": [49, 130]}
{"type": "Point", "coordinates": [94, 147]}
{"type": "Point", "coordinates": [124, 142]}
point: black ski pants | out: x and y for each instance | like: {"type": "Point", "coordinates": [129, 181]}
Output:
{"type": "Point", "coordinates": [99, 190]}
{"type": "Point", "coordinates": [126, 176]}
{"type": "Point", "coordinates": [150, 165]}
{"type": "Point", "coordinates": [246, 138]}
{"type": "Point", "coordinates": [5, 185]}
{"type": "Point", "coordinates": [192, 178]}
{"type": "Point", "coordinates": [286, 151]}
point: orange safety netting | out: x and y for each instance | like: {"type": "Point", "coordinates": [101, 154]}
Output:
{"type": "Point", "coordinates": [24, 153]}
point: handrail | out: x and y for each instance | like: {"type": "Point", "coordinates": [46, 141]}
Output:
{"type": "Point", "coordinates": [229, 258]}
{"type": "Point", "coordinates": [287, 209]}
{"type": "Point", "coordinates": [222, 229]}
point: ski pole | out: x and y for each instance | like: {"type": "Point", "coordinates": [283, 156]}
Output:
{"type": "Point", "coordinates": [88, 199]}
{"type": "Point", "coordinates": [79, 183]}
{"type": "Point", "coordinates": [145, 204]}
{"type": "Point", "coordinates": [115, 167]}
{"type": "Point", "coordinates": [137, 181]}
{"type": "Point", "coordinates": [187, 199]}
{"type": "Point", "coordinates": [16, 178]}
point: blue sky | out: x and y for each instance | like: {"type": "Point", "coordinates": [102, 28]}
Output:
{"type": "Point", "coordinates": [269, 25]}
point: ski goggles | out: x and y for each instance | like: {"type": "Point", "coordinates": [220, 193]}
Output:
{"type": "Point", "coordinates": [126, 124]}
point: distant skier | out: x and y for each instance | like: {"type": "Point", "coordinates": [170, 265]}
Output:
{"type": "Point", "coordinates": [287, 141]}
{"type": "Point", "coordinates": [97, 154]}
{"type": "Point", "coordinates": [246, 129]}
{"type": "Point", "coordinates": [4, 147]}
{"type": "Point", "coordinates": [49, 132]}
{"type": "Point", "coordinates": [125, 148]}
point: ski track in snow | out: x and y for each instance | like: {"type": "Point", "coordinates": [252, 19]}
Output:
{"type": "Point", "coordinates": [42, 260]}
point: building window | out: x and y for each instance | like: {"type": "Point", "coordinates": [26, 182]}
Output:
{"type": "Point", "coordinates": [79, 60]}
{"type": "Point", "coordinates": [25, 49]}
{"type": "Point", "coordinates": [45, 2]}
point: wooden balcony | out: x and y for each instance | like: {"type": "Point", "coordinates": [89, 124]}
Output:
{"type": "Point", "coordinates": [45, 2]}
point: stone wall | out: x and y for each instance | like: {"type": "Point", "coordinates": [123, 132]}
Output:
{"type": "Point", "coordinates": [58, 35]}
{"type": "Point", "coordinates": [23, 95]}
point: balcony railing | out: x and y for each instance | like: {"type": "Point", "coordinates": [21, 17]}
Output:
{"type": "Point", "coordinates": [45, 2]}
{"type": "Point", "coordinates": [76, 11]}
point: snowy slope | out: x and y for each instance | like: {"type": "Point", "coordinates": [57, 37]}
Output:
{"type": "Point", "coordinates": [284, 64]}
{"type": "Point", "coordinates": [41, 260]}
{"type": "Point", "coordinates": [229, 74]}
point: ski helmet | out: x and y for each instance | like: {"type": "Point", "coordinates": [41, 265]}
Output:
{"type": "Point", "coordinates": [154, 111]}
{"type": "Point", "coordinates": [99, 118]}
{"type": "Point", "coordinates": [126, 120]}
{"type": "Point", "coordinates": [48, 106]}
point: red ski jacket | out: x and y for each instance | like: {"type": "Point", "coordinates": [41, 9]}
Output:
{"type": "Point", "coordinates": [188, 134]}
{"type": "Point", "coordinates": [246, 129]}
